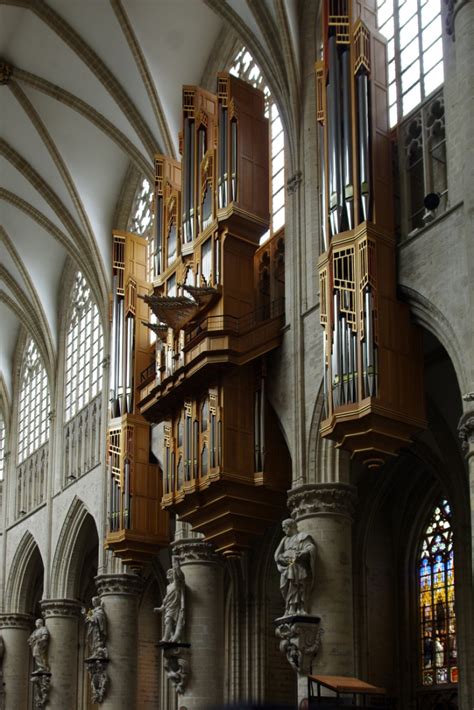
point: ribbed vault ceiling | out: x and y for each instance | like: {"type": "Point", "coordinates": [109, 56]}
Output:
{"type": "Point", "coordinates": [89, 88]}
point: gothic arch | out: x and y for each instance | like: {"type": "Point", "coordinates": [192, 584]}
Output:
{"type": "Point", "coordinates": [325, 463]}
{"type": "Point", "coordinates": [426, 314]}
{"type": "Point", "coordinates": [26, 575]}
{"type": "Point", "coordinates": [73, 541]}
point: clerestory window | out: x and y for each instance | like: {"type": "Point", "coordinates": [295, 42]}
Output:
{"type": "Point", "coordinates": [84, 350]}
{"type": "Point", "coordinates": [437, 640]}
{"type": "Point", "coordinates": [413, 29]}
{"type": "Point", "coordinates": [34, 403]}
{"type": "Point", "coordinates": [2, 447]}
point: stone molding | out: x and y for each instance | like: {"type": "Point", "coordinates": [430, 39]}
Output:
{"type": "Point", "coordinates": [99, 680]}
{"type": "Point", "coordinates": [293, 183]}
{"type": "Point", "coordinates": [466, 433]}
{"type": "Point", "coordinates": [300, 640]}
{"type": "Point", "coordinates": [119, 584]}
{"type": "Point", "coordinates": [192, 551]}
{"type": "Point", "coordinates": [176, 663]}
{"type": "Point", "coordinates": [453, 7]}
{"type": "Point", "coordinates": [6, 71]}
{"type": "Point", "coordinates": [41, 681]}
{"type": "Point", "coordinates": [16, 621]}
{"type": "Point", "coordinates": [311, 499]}
{"type": "Point", "coordinates": [64, 608]}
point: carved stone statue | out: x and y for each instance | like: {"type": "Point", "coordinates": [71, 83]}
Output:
{"type": "Point", "coordinates": [172, 607]}
{"type": "Point", "coordinates": [39, 642]}
{"type": "Point", "coordinates": [295, 560]}
{"type": "Point", "coordinates": [96, 624]}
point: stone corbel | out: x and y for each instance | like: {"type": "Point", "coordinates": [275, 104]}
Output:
{"type": "Point", "coordinates": [176, 663]}
{"type": "Point", "coordinates": [300, 640]}
{"type": "Point", "coordinates": [97, 668]}
{"type": "Point", "coordinates": [466, 433]}
{"type": "Point", "coordinates": [293, 183]}
{"type": "Point", "coordinates": [41, 681]}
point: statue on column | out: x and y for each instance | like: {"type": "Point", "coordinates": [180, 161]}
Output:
{"type": "Point", "coordinates": [295, 558]}
{"type": "Point", "coordinates": [39, 642]}
{"type": "Point", "coordinates": [172, 607]}
{"type": "Point", "coordinates": [96, 624]}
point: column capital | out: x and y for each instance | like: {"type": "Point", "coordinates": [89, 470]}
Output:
{"type": "Point", "coordinates": [64, 608]}
{"type": "Point", "coordinates": [119, 584]}
{"type": "Point", "coordinates": [466, 433]}
{"type": "Point", "coordinates": [313, 499]}
{"type": "Point", "coordinates": [192, 551]}
{"type": "Point", "coordinates": [16, 621]}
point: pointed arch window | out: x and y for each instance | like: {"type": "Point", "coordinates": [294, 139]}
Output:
{"type": "Point", "coordinates": [84, 350]}
{"type": "Point", "coordinates": [2, 447]}
{"type": "Point", "coordinates": [437, 643]}
{"type": "Point", "coordinates": [34, 403]}
{"type": "Point", "coordinates": [244, 67]}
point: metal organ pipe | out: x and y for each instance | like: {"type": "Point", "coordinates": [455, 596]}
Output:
{"type": "Point", "coordinates": [334, 138]}
{"type": "Point", "coordinates": [126, 494]}
{"type": "Point", "coordinates": [222, 179]}
{"type": "Point", "coordinates": [113, 351]}
{"type": "Point", "coordinates": [159, 234]}
{"type": "Point", "coordinates": [233, 137]}
{"type": "Point", "coordinates": [120, 355]}
{"type": "Point", "coordinates": [324, 196]}
{"type": "Point", "coordinates": [363, 111]}
{"type": "Point", "coordinates": [129, 364]}
{"type": "Point", "coordinates": [347, 215]}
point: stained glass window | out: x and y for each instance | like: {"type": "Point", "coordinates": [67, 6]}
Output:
{"type": "Point", "coordinates": [84, 350]}
{"type": "Point", "coordinates": [34, 404]}
{"type": "Point", "coordinates": [413, 31]}
{"type": "Point", "coordinates": [438, 649]}
{"type": "Point", "coordinates": [245, 67]}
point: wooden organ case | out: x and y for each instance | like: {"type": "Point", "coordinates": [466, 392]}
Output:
{"type": "Point", "coordinates": [373, 377]}
{"type": "Point", "coordinates": [137, 527]}
{"type": "Point", "coordinates": [225, 467]}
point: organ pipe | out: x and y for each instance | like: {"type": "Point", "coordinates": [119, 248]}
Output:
{"type": "Point", "coordinates": [334, 138]}
{"type": "Point", "coordinates": [362, 83]}
{"type": "Point", "coordinates": [347, 221]}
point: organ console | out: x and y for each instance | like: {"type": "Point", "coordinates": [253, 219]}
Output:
{"type": "Point", "coordinates": [373, 378]}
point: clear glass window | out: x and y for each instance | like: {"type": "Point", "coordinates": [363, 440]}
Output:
{"type": "Point", "coordinates": [2, 447]}
{"type": "Point", "coordinates": [413, 30]}
{"type": "Point", "coordinates": [34, 404]}
{"type": "Point", "coordinates": [84, 350]}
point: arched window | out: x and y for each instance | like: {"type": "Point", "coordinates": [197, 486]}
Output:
{"type": "Point", "coordinates": [84, 350]}
{"type": "Point", "coordinates": [413, 31]}
{"type": "Point", "coordinates": [2, 447]}
{"type": "Point", "coordinates": [34, 404]}
{"type": "Point", "coordinates": [244, 67]}
{"type": "Point", "coordinates": [437, 641]}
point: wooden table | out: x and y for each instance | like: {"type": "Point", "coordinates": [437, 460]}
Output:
{"type": "Point", "coordinates": [342, 685]}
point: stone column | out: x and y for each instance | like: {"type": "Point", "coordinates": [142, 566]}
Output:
{"type": "Point", "coordinates": [466, 627]}
{"type": "Point", "coordinates": [204, 630]}
{"type": "Point", "coordinates": [15, 630]}
{"type": "Point", "coordinates": [62, 621]}
{"type": "Point", "coordinates": [325, 511]}
{"type": "Point", "coordinates": [119, 593]}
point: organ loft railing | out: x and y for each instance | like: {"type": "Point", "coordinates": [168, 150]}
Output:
{"type": "Point", "coordinates": [373, 383]}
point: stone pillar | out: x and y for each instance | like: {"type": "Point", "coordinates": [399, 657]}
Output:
{"type": "Point", "coordinates": [466, 627]}
{"type": "Point", "coordinates": [204, 630]}
{"type": "Point", "coordinates": [62, 620]}
{"type": "Point", "coordinates": [15, 630]}
{"type": "Point", "coordinates": [119, 593]}
{"type": "Point", "coordinates": [325, 511]}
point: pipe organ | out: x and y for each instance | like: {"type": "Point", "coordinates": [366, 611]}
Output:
{"type": "Point", "coordinates": [225, 466]}
{"type": "Point", "coordinates": [137, 527]}
{"type": "Point", "coordinates": [373, 379]}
